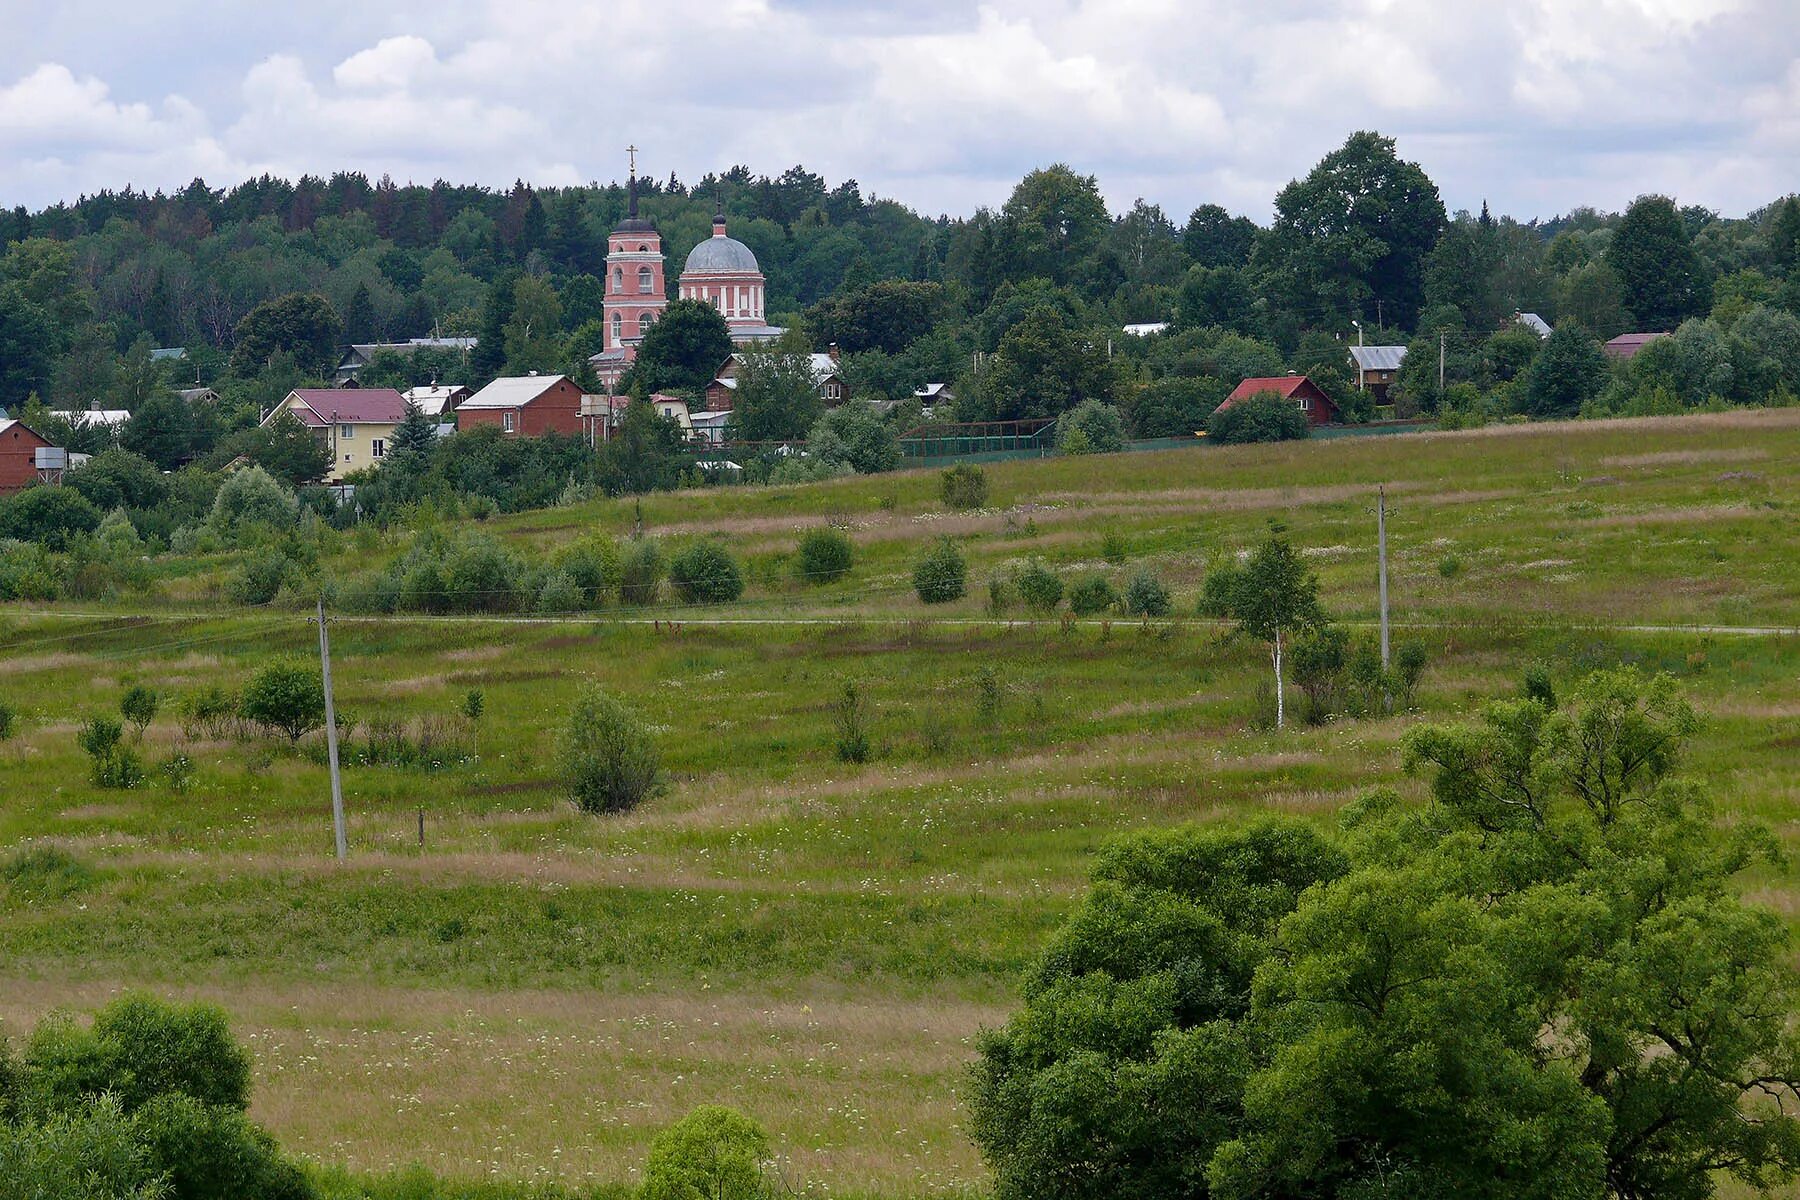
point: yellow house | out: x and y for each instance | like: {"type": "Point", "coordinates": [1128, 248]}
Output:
{"type": "Point", "coordinates": [355, 424]}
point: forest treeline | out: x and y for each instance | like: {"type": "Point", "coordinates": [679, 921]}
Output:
{"type": "Point", "coordinates": [1021, 308]}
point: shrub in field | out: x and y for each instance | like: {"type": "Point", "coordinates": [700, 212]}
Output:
{"type": "Point", "coordinates": [963, 486]}
{"type": "Point", "coordinates": [481, 575]}
{"type": "Point", "coordinates": [1039, 587]}
{"type": "Point", "coordinates": [214, 1152]}
{"type": "Point", "coordinates": [211, 712]}
{"type": "Point", "coordinates": [137, 1048]}
{"type": "Point", "coordinates": [940, 575]}
{"type": "Point", "coordinates": [91, 1153]}
{"type": "Point", "coordinates": [989, 695]}
{"type": "Point", "coordinates": [1092, 595]}
{"type": "Point", "coordinates": [251, 496]}
{"type": "Point", "coordinates": [111, 764]}
{"type": "Point", "coordinates": [706, 573]}
{"type": "Point", "coordinates": [1145, 595]}
{"type": "Point", "coordinates": [606, 756]}
{"type": "Point", "coordinates": [825, 556]}
{"type": "Point", "coordinates": [1099, 425]}
{"type": "Point", "coordinates": [138, 705]}
{"type": "Point", "coordinates": [53, 517]}
{"type": "Point", "coordinates": [177, 771]}
{"type": "Point", "coordinates": [1261, 418]}
{"type": "Point", "coordinates": [713, 1153]}
{"type": "Point", "coordinates": [1113, 548]}
{"type": "Point", "coordinates": [1218, 594]}
{"type": "Point", "coordinates": [640, 574]}
{"type": "Point", "coordinates": [594, 564]}
{"type": "Point", "coordinates": [560, 593]}
{"type": "Point", "coordinates": [1539, 686]}
{"type": "Point", "coordinates": [1319, 661]}
{"type": "Point", "coordinates": [1002, 595]}
{"type": "Point", "coordinates": [286, 695]}
{"type": "Point", "coordinates": [1409, 667]}
{"type": "Point", "coordinates": [851, 723]}
{"type": "Point", "coordinates": [427, 743]}
{"type": "Point", "coordinates": [9, 721]}
{"type": "Point", "coordinates": [260, 577]}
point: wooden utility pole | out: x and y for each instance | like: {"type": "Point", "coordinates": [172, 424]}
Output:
{"type": "Point", "coordinates": [331, 745]}
{"type": "Point", "coordinates": [1441, 336]}
{"type": "Point", "coordinates": [1381, 543]}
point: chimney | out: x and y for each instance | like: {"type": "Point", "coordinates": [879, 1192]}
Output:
{"type": "Point", "coordinates": [93, 406]}
{"type": "Point", "coordinates": [832, 351]}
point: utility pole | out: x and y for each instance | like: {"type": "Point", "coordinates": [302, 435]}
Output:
{"type": "Point", "coordinates": [1441, 336]}
{"type": "Point", "coordinates": [1381, 542]}
{"type": "Point", "coordinates": [331, 746]}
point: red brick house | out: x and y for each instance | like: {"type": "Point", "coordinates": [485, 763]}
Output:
{"type": "Point", "coordinates": [1625, 347]}
{"type": "Point", "coordinates": [529, 405]}
{"type": "Point", "coordinates": [1299, 389]}
{"type": "Point", "coordinates": [19, 460]}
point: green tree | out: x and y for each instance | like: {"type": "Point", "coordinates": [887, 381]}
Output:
{"type": "Point", "coordinates": [283, 447]}
{"type": "Point", "coordinates": [1215, 238]}
{"type": "Point", "coordinates": [1100, 426]}
{"type": "Point", "coordinates": [1355, 231]}
{"type": "Point", "coordinates": [889, 315]}
{"type": "Point", "coordinates": [251, 496]}
{"type": "Point", "coordinates": [27, 347]}
{"type": "Point", "coordinates": [53, 517]}
{"type": "Point", "coordinates": [1216, 297]}
{"type": "Point", "coordinates": [161, 429]}
{"type": "Point", "coordinates": [1174, 407]}
{"type": "Point", "coordinates": [1543, 985]}
{"type": "Point", "coordinates": [1273, 599]}
{"type": "Point", "coordinates": [855, 436]}
{"type": "Point", "coordinates": [823, 556]}
{"type": "Point", "coordinates": [138, 705]}
{"type": "Point", "coordinates": [533, 331]}
{"type": "Point", "coordinates": [643, 454]}
{"type": "Point", "coordinates": [1264, 417]}
{"type": "Point", "coordinates": [684, 349]}
{"type": "Point", "coordinates": [1045, 365]}
{"type": "Point", "coordinates": [713, 1153]}
{"type": "Point", "coordinates": [90, 1153]}
{"type": "Point", "coordinates": [605, 755]}
{"type": "Point", "coordinates": [777, 398]}
{"type": "Point", "coordinates": [1050, 224]}
{"type": "Point", "coordinates": [414, 439]}
{"type": "Point", "coordinates": [286, 695]}
{"type": "Point", "coordinates": [359, 316]}
{"type": "Point", "coordinates": [1569, 371]}
{"type": "Point", "coordinates": [1592, 295]}
{"type": "Point", "coordinates": [489, 356]}
{"type": "Point", "coordinates": [705, 573]}
{"type": "Point", "coordinates": [1663, 280]}
{"type": "Point", "coordinates": [940, 575]}
{"type": "Point", "coordinates": [300, 324]}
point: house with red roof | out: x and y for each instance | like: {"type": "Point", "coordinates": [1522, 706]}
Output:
{"type": "Point", "coordinates": [1625, 347]}
{"type": "Point", "coordinates": [355, 424]}
{"type": "Point", "coordinates": [1297, 389]}
{"type": "Point", "coordinates": [27, 457]}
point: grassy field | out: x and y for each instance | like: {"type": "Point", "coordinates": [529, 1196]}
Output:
{"type": "Point", "coordinates": [531, 994]}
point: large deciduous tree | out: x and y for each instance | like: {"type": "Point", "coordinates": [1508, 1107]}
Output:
{"type": "Point", "coordinates": [777, 396]}
{"type": "Point", "coordinates": [1541, 986]}
{"type": "Point", "coordinates": [683, 350]}
{"type": "Point", "coordinates": [1663, 280]}
{"type": "Point", "coordinates": [1050, 224]}
{"type": "Point", "coordinates": [300, 324]}
{"type": "Point", "coordinates": [1353, 233]}
{"type": "Point", "coordinates": [1569, 371]}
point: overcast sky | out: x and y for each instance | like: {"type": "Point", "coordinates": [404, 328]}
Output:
{"type": "Point", "coordinates": [1534, 105]}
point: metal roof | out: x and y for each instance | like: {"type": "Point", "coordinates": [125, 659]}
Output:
{"type": "Point", "coordinates": [721, 255]}
{"type": "Point", "coordinates": [1534, 323]}
{"type": "Point", "coordinates": [345, 406]}
{"type": "Point", "coordinates": [513, 392]}
{"type": "Point", "coordinates": [1378, 358]}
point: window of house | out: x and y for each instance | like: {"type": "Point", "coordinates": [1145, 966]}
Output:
{"type": "Point", "coordinates": [377, 448]}
{"type": "Point", "coordinates": [1304, 404]}
{"type": "Point", "coordinates": [346, 431]}
{"type": "Point", "coordinates": [509, 422]}
{"type": "Point", "coordinates": [646, 280]}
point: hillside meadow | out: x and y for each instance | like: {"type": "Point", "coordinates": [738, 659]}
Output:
{"type": "Point", "coordinates": [525, 993]}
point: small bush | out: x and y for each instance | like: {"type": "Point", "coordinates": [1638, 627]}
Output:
{"type": "Point", "coordinates": [640, 574]}
{"type": "Point", "coordinates": [260, 578]}
{"type": "Point", "coordinates": [9, 721]}
{"type": "Point", "coordinates": [606, 756]}
{"type": "Point", "coordinates": [1265, 417]}
{"type": "Point", "coordinates": [1318, 664]}
{"type": "Point", "coordinates": [560, 593]}
{"type": "Point", "coordinates": [824, 556]}
{"type": "Point", "coordinates": [1409, 667]}
{"type": "Point", "coordinates": [1002, 595]}
{"type": "Point", "coordinates": [1039, 587]}
{"type": "Point", "coordinates": [210, 712]}
{"type": "Point", "coordinates": [1450, 566]}
{"type": "Point", "coordinates": [706, 573]}
{"type": "Point", "coordinates": [138, 705]}
{"type": "Point", "coordinates": [1114, 549]}
{"type": "Point", "coordinates": [594, 564]}
{"type": "Point", "coordinates": [288, 696]}
{"type": "Point", "coordinates": [713, 1153]}
{"type": "Point", "coordinates": [1145, 595]}
{"type": "Point", "coordinates": [963, 486]}
{"type": "Point", "coordinates": [211, 1152]}
{"type": "Point", "coordinates": [177, 771]}
{"type": "Point", "coordinates": [1092, 596]}
{"type": "Point", "coordinates": [989, 695]}
{"type": "Point", "coordinates": [940, 575]}
{"type": "Point", "coordinates": [1539, 685]}
{"type": "Point", "coordinates": [852, 724]}
{"type": "Point", "coordinates": [112, 764]}
{"type": "Point", "coordinates": [138, 1048]}
{"type": "Point", "coordinates": [1098, 428]}
{"type": "Point", "coordinates": [1218, 595]}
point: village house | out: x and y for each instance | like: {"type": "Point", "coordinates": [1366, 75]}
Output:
{"type": "Point", "coordinates": [1376, 368]}
{"type": "Point", "coordinates": [602, 415]}
{"type": "Point", "coordinates": [355, 424]}
{"type": "Point", "coordinates": [437, 401]}
{"type": "Point", "coordinates": [26, 457]}
{"type": "Point", "coordinates": [1532, 322]}
{"type": "Point", "coordinates": [1624, 348]}
{"type": "Point", "coordinates": [362, 353]}
{"type": "Point", "coordinates": [94, 417]}
{"type": "Point", "coordinates": [722, 391]}
{"type": "Point", "coordinates": [529, 405]}
{"type": "Point", "coordinates": [1298, 389]}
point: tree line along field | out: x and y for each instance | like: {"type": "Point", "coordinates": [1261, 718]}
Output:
{"type": "Point", "coordinates": [532, 993]}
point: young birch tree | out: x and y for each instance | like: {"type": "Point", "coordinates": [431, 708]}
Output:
{"type": "Point", "coordinates": [1275, 597]}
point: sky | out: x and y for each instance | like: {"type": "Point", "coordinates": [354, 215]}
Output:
{"type": "Point", "coordinates": [1535, 106]}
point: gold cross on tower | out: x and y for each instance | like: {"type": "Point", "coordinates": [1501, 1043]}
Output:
{"type": "Point", "coordinates": [632, 151]}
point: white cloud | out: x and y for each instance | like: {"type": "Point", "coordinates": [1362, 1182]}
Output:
{"type": "Point", "coordinates": [1536, 106]}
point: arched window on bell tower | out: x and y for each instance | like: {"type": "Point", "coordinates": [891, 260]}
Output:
{"type": "Point", "coordinates": [618, 279]}
{"type": "Point", "coordinates": [646, 281]}
{"type": "Point", "coordinates": [618, 328]}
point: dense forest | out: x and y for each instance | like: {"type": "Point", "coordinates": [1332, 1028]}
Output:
{"type": "Point", "coordinates": [1021, 308]}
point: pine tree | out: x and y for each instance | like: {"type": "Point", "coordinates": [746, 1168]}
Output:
{"type": "Point", "coordinates": [359, 318]}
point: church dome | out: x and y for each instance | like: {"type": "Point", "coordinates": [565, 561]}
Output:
{"type": "Point", "coordinates": [719, 255]}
